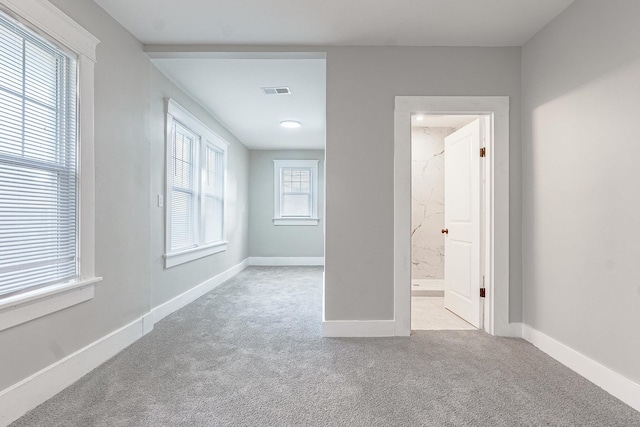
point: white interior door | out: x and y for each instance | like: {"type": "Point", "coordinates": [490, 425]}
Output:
{"type": "Point", "coordinates": [462, 173]}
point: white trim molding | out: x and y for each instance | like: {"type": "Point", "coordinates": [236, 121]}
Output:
{"type": "Point", "coordinates": [296, 221]}
{"type": "Point", "coordinates": [192, 254]}
{"type": "Point", "coordinates": [286, 261]}
{"type": "Point", "coordinates": [496, 201]}
{"type": "Point", "coordinates": [358, 328]}
{"type": "Point", "coordinates": [25, 395]}
{"type": "Point", "coordinates": [21, 308]}
{"type": "Point", "coordinates": [605, 378]}
{"type": "Point", "coordinates": [51, 21]}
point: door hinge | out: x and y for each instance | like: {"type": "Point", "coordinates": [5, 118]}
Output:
{"type": "Point", "coordinates": [482, 292]}
{"type": "Point", "coordinates": [483, 152]}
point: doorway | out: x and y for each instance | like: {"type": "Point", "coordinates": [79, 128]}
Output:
{"type": "Point", "coordinates": [495, 306]}
{"type": "Point", "coordinates": [446, 220]}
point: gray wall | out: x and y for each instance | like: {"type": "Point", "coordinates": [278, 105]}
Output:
{"type": "Point", "coordinates": [580, 110]}
{"type": "Point", "coordinates": [266, 239]}
{"type": "Point", "coordinates": [361, 85]}
{"type": "Point", "coordinates": [128, 158]}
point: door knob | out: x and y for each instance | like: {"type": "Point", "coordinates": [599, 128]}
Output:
{"type": "Point", "coordinates": [445, 231]}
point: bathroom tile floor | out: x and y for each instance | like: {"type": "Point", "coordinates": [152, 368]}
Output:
{"type": "Point", "coordinates": [428, 313]}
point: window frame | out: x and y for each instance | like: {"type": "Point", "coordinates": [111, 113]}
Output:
{"type": "Point", "coordinates": [52, 24]}
{"type": "Point", "coordinates": [206, 138]}
{"type": "Point", "coordinates": [278, 167]}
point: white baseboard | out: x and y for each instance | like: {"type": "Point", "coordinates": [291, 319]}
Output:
{"type": "Point", "coordinates": [612, 382]}
{"type": "Point", "coordinates": [25, 395]}
{"type": "Point", "coordinates": [427, 284]}
{"type": "Point", "coordinates": [21, 397]}
{"type": "Point", "coordinates": [358, 328]}
{"type": "Point", "coordinates": [176, 303]}
{"type": "Point", "coordinates": [284, 261]}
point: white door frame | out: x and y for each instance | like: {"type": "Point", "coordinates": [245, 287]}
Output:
{"type": "Point", "coordinates": [496, 200]}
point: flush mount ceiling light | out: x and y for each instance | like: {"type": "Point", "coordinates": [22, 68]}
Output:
{"type": "Point", "coordinates": [290, 124]}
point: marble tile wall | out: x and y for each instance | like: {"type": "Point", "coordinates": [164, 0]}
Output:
{"type": "Point", "coordinates": [427, 204]}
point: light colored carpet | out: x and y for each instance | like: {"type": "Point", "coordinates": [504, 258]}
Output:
{"type": "Point", "coordinates": [250, 353]}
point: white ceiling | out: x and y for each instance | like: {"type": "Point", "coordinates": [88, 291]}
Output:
{"type": "Point", "coordinates": [230, 90]}
{"type": "Point", "coordinates": [335, 22]}
{"type": "Point", "coordinates": [230, 87]}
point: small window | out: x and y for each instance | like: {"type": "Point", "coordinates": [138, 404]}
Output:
{"type": "Point", "coordinates": [295, 192]}
{"type": "Point", "coordinates": [196, 163]}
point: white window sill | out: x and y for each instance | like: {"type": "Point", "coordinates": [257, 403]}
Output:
{"type": "Point", "coordinates": [177, 258]}
{"type": "Point", "coordinates": [295, 221]}
{"type": "Point", "coordinates": [21, 308]}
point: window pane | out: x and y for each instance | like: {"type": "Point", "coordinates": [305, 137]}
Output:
{"type": "Point", "coordinates": [10, 124]}
{"type": "Point", "coordinates": [41, 73]}
{"type": "Point", "coordinates": [296, 180]}
{"type": "Point", "coordinates": [296, 205]}
{"type": "Point", "coordinates": [305, 177]}
{"type": "Point", "coordinates": [214, 170]}
{"type": "Point", "coordinates": [183, 158]}
{"type": "Point", "coordinates": [40, 133]}
{"type": "Point", "coordinates": [213, 217]}
{"type": "Point", "coordinates": [10, 60]}
{"type": "Point", "coordinates": [182, 220]}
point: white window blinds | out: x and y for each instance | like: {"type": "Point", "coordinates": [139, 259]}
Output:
{"type": "Point", "coordinates": [38, 174]}
{"type": "Point", "coordinates": [185, 194]}
{"type": "Point", "coordinates": [184, 188]}
{"type": "Point", "coordinates": [296, 192]}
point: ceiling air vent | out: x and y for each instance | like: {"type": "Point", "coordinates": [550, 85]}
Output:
{"type": "Point", "coordinates": [283, 90]}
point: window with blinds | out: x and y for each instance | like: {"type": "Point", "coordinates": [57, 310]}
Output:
{"type": "Point", "coordinates": [296, 198]}
{"type": "Point", "coordinates": [196, 188]}
{"type": "Point", "coordinates": [184, 191]}
{"type": "Point", "coordinates": [295, 192]}
{"type": "Point", "coordinates": [38, 172]}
